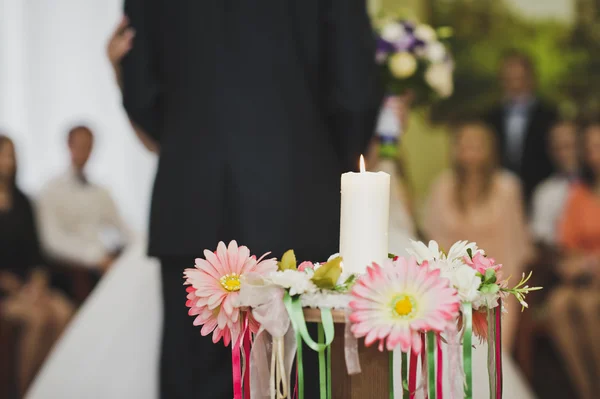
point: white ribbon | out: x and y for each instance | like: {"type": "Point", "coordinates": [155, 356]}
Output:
{"type": "Point", "coordinates": [274, 346]}
{"type": "Point", "coordinates": [351, 348]}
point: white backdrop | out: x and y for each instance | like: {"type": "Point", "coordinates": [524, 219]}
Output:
{"type": "Point", "coordinates": [54, 74]}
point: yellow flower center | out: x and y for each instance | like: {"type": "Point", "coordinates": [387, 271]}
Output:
{"type": "Point", "coordinates": [231, 282]}
{"type": "Point", "coordinates": [404, 306]}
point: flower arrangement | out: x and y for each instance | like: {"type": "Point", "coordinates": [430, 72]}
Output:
{"type": "Point", "coordinates": [416, 65]}
{"type": "Point", "coordinates": [414, 58]}
{"type": "Point", "coordinates": [427, 306]}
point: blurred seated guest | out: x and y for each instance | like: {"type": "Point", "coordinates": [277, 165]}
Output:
{"type": "Point", "coordinates": [550, 196]}
{"type": "Point", "coordinates": [575, 307]}
{"type": "Point", "coordinates": [25, 295]}
{"type": "Point", "coordinates": [478, 201]}
{"type": "Point", "coordinates": [77, 216]}
{"type": "Point", "coordinates": [521, 122]}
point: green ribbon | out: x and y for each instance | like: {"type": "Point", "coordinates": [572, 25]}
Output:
{"type": "Point", "coordinates": [431, 364]}
{"type": "Point", "coordinates": [405, 393]}
{"type": "Point", "coordinates": [299, 366]}
{"type": "Point", "coordinates": [467, 311]}
{"type": "Point", "coordinates": [294, 309]}
{"type": "Point", "coordinates": [322, 365]}
{"type": "Point", "coordinates": [491, 325]}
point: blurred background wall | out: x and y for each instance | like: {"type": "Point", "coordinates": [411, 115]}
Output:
{"type": "Point", "coordinates": [54, 73]}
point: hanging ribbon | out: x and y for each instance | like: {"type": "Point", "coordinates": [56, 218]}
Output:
{"type": "Point", "coordinates": [236, 360]}
{"type": "Point", "coordinates": [440, 367]}
{"type": "Point", "coordinates": [247, 347]}
{"type": "Point", "coordinates": [322, 365]}
{"type": "Point", "coordinates": [329, 390]}
{"type": "Point", "coordinates": [423, 368]}
{"type": "Point", "coordinates": [491, 366]}
{"type": "Point", "coordinates": [467, 312]}
{"type": "Point", "coordinates": [299, 367]}
{"type": "Point", "coordinates": [404, 371]}
{"type": "Point", "coordinates": [412, 374]}
{"type": "Point", "coordinates": [431, 364]}
{"type": "Point", "coordinates": [294, 309]}
{"type": "Point", "coordinates": [498, 333]}
{"type": "Point", "coordinates": [350, 347]}
{"type": "Point", "coordinates": [455, 368]}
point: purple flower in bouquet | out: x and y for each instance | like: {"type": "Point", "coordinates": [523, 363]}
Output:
{"type": "Point", "coordinates": [414, 59]}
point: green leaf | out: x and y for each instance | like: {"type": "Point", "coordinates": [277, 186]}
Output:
{"type": "Point", "coordinates": [350, 280]}
{"type": "Point", "coordinates": [391, 256]}
{"type": "Point", "coordinates": [470, 253]}
{"type": "Point", "coordinates": [288, 261]}
{"type": "Point", "coordinates": [490, 276]}
{"type": "Point", "coordinates": [489, 288]}
{"type": "Point", "coordinates": [327, 275]}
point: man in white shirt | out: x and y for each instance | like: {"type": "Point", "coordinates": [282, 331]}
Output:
{"type": "Point", "coordinates": [550, 196]}
{"type": "Point", "coordinates": [77, 216]}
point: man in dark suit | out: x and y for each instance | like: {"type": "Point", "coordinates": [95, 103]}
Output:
{"type": "Point", "coordinates": [522, 122]}
{"type": "Point", "coordinates": [258, 107]}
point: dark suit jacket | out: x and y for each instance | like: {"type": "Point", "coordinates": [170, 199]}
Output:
{"type": "Point", "coordinates": [535, 161]}
{"type": "Point", "coordinates": [258, 106]}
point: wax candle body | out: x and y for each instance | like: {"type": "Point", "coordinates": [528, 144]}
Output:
{"type": "Point", "coordinates": [364, 219]}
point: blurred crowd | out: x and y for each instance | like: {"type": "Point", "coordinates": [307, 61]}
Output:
{"type": "Point", "coordinates": [523, 184]}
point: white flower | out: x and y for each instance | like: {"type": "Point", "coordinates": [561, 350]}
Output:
{"type": "Point", "coordinates": [297, 282]}
{"type": "Point", "coordinates": [402, 65]}
{"type": "Point", "coordinates": [425, 33]}
{"type": "Point", "coordinates": [435, 52]}
{"type": "Point", "coordinates": [439, 77]}
{"type": "Point", "coordinates": [465, 280]}
{"type": "Point", "coordinates": [422, 252]}
{"type": "Point", "coordinates": [488, 300]}
{"type": "Point", "coordinates": [393, 32]}
{"type": "Point", "coordinates": [460, 249]}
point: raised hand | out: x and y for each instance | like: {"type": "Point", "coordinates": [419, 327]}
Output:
{"type": "Point", "coordinates": [120, 42]}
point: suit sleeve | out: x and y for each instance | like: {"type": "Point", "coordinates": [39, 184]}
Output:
{"type": "Point", "coordinates": [141, 83]}
{"type": "Point", "coordinates": [353, 93]}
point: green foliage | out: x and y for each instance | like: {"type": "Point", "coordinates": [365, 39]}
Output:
{"type": "Point", "coordinates": [568, 64]}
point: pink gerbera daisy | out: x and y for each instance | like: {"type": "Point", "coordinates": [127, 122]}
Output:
{"type": "Point", "coordinates": [214, 286]}
{"type": "Point", "coordinates": [398, 301]}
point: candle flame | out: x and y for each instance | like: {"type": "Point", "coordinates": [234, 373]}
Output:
{"type": "Point", "coordinates": [362, 164]}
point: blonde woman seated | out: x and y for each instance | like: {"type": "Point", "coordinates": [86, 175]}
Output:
{"type": "Point", "coordinates": [575, 306]}
{"type": "Point", "coordinates": [477, 201]}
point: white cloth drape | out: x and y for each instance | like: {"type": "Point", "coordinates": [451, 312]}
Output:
{"type": "Point", "coordinates": [53, 74]}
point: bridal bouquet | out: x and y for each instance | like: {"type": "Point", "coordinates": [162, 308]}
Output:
{"type": "Point", "coordinates": [415, 64]}
{"type": "Point", "coordinates": [428, 306]}
{"type": "Point", "coordinates": [414, 58]}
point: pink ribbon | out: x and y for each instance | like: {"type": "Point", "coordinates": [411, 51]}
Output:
{"type": "Point", "coordinates": [236, 361]}
{"type": "Point", "coordinates": [425, 380]}
{"type": "Point", "coordinates": [412, 375]}
{"type": "Point", "coordinates": [498, 315]}
{"type": "Point", "coordinates": [247, 347]}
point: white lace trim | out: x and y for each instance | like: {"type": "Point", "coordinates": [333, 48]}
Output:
{"type": "Point", "coordinates": [326, 299]}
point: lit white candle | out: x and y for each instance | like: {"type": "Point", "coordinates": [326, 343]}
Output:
{"type": "Point", "coordinates": [364, 218]}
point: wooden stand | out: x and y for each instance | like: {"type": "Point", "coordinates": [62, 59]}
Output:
{"type": "Point", "coordinates": [372, 382]}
